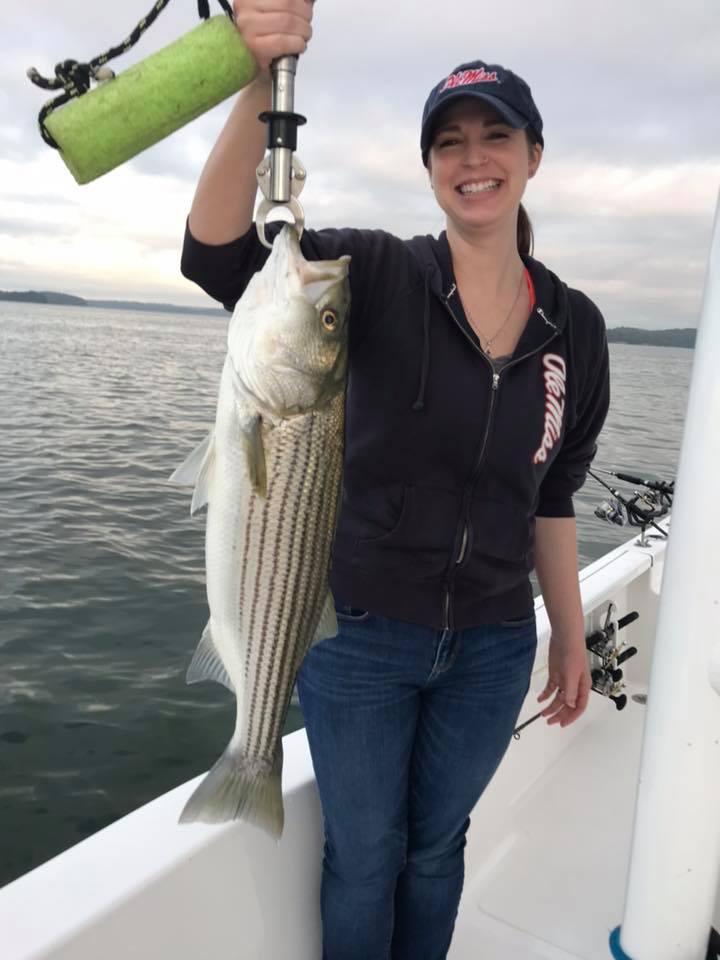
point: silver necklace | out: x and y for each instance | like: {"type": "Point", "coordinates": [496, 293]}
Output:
{"type": "Point", "coordinates": [500, 329]}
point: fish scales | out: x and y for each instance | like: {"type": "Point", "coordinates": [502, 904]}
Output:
{"type": "Point", "coordinates": [303, 508]}
{"type": "Point", "coordinates": [288, 569]}
{"type": "Point", "coordinates": [313, 601]}
{"type": "Point", "coordinates": [261, 650]}
{"type": "Point", "coordinates": [253, 730]}
{"type": "Point", "coordinates": [271, 474]}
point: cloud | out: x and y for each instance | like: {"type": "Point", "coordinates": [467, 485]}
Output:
{"type": "Point", "coordinates": [18, 227]}
{"type": "Point", "coordinates": [622, 205]}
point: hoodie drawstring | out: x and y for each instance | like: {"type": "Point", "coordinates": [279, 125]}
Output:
{"type": "Point", "coordinates": [420, 401]}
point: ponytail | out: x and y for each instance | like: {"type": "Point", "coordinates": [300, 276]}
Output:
{"type": "Point", "coordinates": [525, 236]}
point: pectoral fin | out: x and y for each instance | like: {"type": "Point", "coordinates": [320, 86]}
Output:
{"type": "Point", "coordinates": [197, 469]}
{"type": "Point", "coordinates": [252, 439]}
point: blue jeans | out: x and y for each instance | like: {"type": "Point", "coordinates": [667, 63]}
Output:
{"type": "Point", "coordinates": [406, 726]}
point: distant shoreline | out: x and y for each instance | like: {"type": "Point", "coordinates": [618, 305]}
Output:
{"type": "Point", "coordinates": [676, 337]}
{"type": "Point", "coordinates": [66, 300]}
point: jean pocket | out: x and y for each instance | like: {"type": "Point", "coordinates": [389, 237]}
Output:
{"type": "Point", "coordinates": [349, 614]}
{"type": "Point", "coordinates": [518, 623]}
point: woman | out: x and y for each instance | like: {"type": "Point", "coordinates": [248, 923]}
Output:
{"type": "Point", "coordinates": [478, 384]}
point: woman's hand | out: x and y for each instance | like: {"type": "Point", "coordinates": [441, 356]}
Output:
{"type": "Point", "coordinates": [273, 28]}
{"type": "Point", "coordinates": [568, 678]}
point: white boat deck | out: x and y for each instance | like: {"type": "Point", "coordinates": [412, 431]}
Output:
{"type": "Point", "coordinates": [554, 885]}
{"type": "Point", "coordinates": [546, 860]}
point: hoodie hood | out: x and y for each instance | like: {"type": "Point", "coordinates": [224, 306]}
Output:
{"type": "Point", "coordinates": [434, 257]}
{"type": "Point", "coordinates": [548, 318]}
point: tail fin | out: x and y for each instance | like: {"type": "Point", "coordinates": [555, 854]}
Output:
{"type": "Point", "coordinates": [237, 790]}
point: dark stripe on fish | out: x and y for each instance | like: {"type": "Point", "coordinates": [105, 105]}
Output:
{"type": "Point", "coordinates": [300, 580]}
{"type": "Point", "coordinates": [285, 571]}
{"type": "Point", "coordinates": [273, 632]}
{"type": "Point", "coordinates": [251, 671]}
{"type": "Point", "coordinates": [243, 567]}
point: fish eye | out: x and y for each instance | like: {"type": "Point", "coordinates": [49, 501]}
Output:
{"type": "Point", "coordinates": [329, 319]}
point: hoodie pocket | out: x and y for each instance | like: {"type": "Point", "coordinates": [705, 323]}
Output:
{"type": "Point", "coordinates": [498, 553]}
{"type": "Point", "coordinates": [419, 542]}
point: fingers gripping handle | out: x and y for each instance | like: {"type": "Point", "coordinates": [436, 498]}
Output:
{"type": "Point", "coordinates": [281, 176]}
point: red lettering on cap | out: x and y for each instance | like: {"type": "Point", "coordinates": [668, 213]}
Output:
{"type": "Point", "coordinates": [464, 77]}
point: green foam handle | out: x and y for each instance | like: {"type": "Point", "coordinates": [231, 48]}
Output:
{"type": "Point", "coordinates": [108, 125]}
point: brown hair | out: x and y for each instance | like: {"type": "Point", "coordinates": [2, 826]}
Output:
{"type": "Point", "coordinates": [525, 235]}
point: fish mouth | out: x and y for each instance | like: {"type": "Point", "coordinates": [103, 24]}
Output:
{"type": "Point", "coordinates": [316, 277]}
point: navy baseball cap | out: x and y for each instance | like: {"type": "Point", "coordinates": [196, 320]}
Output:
{"type": "Point", "coordinates": [502, 89]}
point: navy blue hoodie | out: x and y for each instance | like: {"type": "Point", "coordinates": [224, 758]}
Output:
{"type": "Point", "coordinates": [447, 463]}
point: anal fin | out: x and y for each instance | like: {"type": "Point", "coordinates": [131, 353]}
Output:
{"type": "Point", "coordinates": [206, 663]}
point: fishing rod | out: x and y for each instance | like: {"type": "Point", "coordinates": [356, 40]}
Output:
{"type": "Point", "coordinates": [609, 654]}
{"type": "Point", "coordinates": [642, 509]}
{"type": "Point", "coordinates": [646, 505]}
{"type": "Point", "coordinates": [652, 483]}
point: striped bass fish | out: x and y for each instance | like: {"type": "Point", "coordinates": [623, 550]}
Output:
{"type": "Point", "coordinates": [270, 473]}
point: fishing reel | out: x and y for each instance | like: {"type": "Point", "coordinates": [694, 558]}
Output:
{"type": "Point", "coordinates": [607, 678]}
{"type": "Point", "coordinates": [646, 505]}
{"type": "Point", "coordinates": [606, 675]}
{"type": "Point", "coordinates": [611, 511]}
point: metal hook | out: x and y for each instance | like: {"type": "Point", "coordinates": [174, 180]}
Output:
{"type": "Point", "coordinates": [298, 176]}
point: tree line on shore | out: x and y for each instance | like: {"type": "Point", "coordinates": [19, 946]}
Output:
{"type": "Point", "coordinates": [676, 337]}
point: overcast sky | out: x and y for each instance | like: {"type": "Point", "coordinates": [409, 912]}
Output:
{"type": "Point", "coordinates": [622, 206]}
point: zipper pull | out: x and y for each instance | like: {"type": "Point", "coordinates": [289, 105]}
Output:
{"type": "Point", "coordinates": [463, 545]}
{"type": "Point", "coordinates": [496, 381]}
{"type": "Point", "coordinates": [548, 323]}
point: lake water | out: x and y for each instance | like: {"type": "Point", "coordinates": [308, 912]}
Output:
{"type": "Point", "coordinates": [102, 596]}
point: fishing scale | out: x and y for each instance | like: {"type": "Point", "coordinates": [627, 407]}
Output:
{"type": "Point", "coordinates": [281, 176]}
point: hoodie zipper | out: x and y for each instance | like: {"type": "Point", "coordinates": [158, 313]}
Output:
{"type": "Point", "coordinates": [470, 485]}
{"type": "Point", "coordinates": [476, 470]}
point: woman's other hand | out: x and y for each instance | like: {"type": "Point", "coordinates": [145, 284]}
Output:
{"type": "Point", "coordinates": [273, 28]}
{"type": "Point", "coordinates": [568, 678]}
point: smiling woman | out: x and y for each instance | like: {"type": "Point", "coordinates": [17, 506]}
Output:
{"type": "Point", "coordinates": [475, 125]}
{"type": "Point", "coordinates": [479, 167]}
{"type": "Point", "coordinates": [478, 384]}
{"type": "Point", "coordinates": [454, 118]}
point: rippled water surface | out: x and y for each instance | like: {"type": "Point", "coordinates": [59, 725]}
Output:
{"type": "Point", "coordinates": [102, 596]}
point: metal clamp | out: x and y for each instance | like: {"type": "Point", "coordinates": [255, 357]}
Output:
{"type": "Point", "coordinates": [298, 176]}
